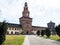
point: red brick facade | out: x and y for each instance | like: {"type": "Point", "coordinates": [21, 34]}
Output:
{"type": "Point", "coordinates": [26, 21]}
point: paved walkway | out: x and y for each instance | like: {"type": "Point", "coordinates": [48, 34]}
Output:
{"type": "Point", "coordinates": [35, 40]}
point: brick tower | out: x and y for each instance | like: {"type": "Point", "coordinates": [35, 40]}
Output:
{"type": "Point", "coordinates": [26, 21]}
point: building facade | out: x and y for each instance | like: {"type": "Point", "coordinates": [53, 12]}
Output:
{"type": "Point", "coordinates": [25, 26]}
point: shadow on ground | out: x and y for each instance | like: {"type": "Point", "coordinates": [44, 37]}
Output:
{"type": "Point", "coordinates": [58, 40]}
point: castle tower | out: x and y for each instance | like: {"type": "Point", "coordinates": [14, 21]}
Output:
{"type": "Point", "coordinates": [51, 26]}
{"type": "Point", "coordinates": [26, 21]}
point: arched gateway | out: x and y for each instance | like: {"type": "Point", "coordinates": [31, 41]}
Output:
{"type": "Point", "coordinates": [26, 21]}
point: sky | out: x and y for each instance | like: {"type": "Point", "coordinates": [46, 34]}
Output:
{"type": "Point", "coordinates": [42, 11]}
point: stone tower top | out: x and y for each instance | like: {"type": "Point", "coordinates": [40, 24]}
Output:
{"type": "Point", "coordinates": [25, 3]}
{"type": "Point", "coordinates": [25, 12]}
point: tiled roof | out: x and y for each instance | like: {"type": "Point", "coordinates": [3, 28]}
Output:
{"type": "Point", "coordinates": [38, 27]}
{"type": "Point", "coordinates": [14, 25]}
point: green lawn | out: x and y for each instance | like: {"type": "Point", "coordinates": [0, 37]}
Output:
{"type": "Point", "coordinates": [53, 37]}
{"type": "Point", "coordinates": [14, 40]}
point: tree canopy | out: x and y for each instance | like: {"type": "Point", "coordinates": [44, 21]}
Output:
{"type": "Point", "coordinates": [38, 33]}
{"type": "Point", "coordinates": [58, 30]}
{"type": "Point", "coordinates": [47, 32]}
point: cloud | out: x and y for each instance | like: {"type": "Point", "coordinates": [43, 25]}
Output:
{"type": "Point", "coordinates": [42, 11]}
{"type": "Point", "coordinates": [0, 12]}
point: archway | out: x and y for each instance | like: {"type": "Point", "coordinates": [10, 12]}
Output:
{"type": "Point", "coordinates": [11, 32]}
{"type": "Point", "coordinates": [27, 32]}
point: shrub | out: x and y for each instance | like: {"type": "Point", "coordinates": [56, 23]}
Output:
{"type": "Point", "coordinates": [57, 29]}
{"type": "Point", "coordinates": [42, 33]}
{"type": "Point", "coordinates": [47, 32]}
{"type": "Point", "coordinates": [3, 29]}
{"type": "Point", "coordinates": [38, 32]}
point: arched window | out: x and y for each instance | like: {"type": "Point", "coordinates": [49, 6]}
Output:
{"type": "Point", "coordinates": [15, 28]}
{"type": "Point", "coordinates": [11, 32]}
{"type": "Point", "coordinates": [16, 33]}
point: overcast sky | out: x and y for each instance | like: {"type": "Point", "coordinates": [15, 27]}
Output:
{"type": "Point", "coordinates": [42, 11]}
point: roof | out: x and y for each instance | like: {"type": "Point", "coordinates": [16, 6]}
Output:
{"type": "Point", "coordinates": [51, 22]}
{"type": "Point", "coordinates": [26, 17]}
{"type": "Point", "coordinates": [20, 26]}
{"type": "Point", "coordinates": [14, 25]}
{"type": "Point", "coordinates": [38, 27]}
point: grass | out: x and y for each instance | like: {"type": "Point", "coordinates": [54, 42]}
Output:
{"type": "Point", "coordinates": [14, 40]}
{"type": "Point", "coordinates": [53, 37]}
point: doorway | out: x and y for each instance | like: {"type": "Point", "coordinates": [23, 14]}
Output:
{"type": "Point", "coordinates": [27, 32]}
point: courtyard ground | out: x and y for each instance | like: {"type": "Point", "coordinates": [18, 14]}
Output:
{"type": "Point", "coordinates": [29, 40]}
{"type": "Point", "coordinates": [53, 37]}
{"type": "Point", "coordinates": [14, 40]}
{"type": "Point", "coordinates": [35, 40]}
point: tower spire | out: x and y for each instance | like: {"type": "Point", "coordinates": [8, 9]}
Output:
{"type": "Point", "coordinates": [25, 12]}
{"type": "Point", "coordinates": [25, 4]}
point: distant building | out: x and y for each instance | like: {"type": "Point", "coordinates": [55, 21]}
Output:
{"type": "Point", "coordinates": [51, 26]}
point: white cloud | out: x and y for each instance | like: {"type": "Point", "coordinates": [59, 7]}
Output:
{"type": "Point", "coordinates": [42, 11]}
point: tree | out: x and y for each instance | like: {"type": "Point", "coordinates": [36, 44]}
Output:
{"type": "Point", "coordinates": [38, 33]}
{"type": "Point", "coordinates": [3, 29]}
{"type": "Point", "coordinates": [57, 29]}
{"type": "Point", "coordinates": [42, 33]}
{"type": "Point", "coordinates": [47, 32]}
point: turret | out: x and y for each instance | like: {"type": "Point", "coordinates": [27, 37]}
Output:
{"type": "Point", "coordinates": [25, 12]}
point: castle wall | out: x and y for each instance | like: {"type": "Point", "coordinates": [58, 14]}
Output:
{"type": "Point", "coordinates": [14, 30]}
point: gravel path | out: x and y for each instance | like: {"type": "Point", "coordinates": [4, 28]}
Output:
{"type": "Point", "coordinates": [35, 40]}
